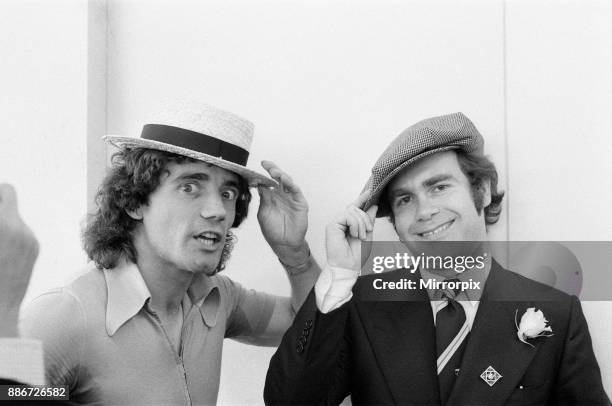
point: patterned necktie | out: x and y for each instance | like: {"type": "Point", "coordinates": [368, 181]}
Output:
{"type": "Point", "coordinates": [452, 330]}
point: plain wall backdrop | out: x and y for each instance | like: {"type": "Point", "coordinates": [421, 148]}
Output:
{"type": "Point", "coordinates": [328, 85]}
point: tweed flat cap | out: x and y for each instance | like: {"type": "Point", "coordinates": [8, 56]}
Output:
{"type": "Point", "coordinates": [449, 132]}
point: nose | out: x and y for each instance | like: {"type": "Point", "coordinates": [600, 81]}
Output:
{"type": "Point", "coordinates": [426, 209]}
{"type": "Point", "coordinates": [213, 208]}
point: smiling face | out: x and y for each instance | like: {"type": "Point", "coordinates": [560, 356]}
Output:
{"type": "Point", "coordinates": [185, 222]}
{"type": "Point", "coordinates": [431, 200]}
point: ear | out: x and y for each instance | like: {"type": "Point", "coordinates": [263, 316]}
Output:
{"type": "Point", "coordinates": [485, 189]}
{"type": "Point", "coordinates": [135, 214]}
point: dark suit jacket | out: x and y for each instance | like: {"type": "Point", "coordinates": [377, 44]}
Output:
{"type": "Point", "coordinates": [385, 352]}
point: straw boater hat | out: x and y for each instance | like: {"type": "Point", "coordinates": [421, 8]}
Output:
{"type": "Point", "coordinates": [201, 132]}
{"type": "Point", "coordinates": [449, 132]}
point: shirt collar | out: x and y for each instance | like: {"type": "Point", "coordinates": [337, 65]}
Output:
{"type": "Point", "coordinates": [204, 293]}
{"type": "Point", "coordinates": [128, 293]}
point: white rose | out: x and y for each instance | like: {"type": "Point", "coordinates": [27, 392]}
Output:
{"type": "Point", "coordinates": [533, 324]}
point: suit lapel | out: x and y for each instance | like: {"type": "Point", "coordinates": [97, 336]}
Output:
{"type": "Point", "coordinates": [493, 342]}
{"type": "Point", "coordinates": [402, 336]}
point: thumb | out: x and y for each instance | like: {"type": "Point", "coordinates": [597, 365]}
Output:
{"type": "Point", "coordinates": [371, 212]}
{"type": "Point", "coordinates": [8, 199]}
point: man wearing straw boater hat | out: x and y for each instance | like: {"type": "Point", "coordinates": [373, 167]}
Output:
{"type": "Point", "coordinates": [482, 336]}
{"type": "Point", "coordinates": [147, 326]}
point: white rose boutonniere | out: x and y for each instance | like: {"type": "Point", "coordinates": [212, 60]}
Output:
{"type": "Point", "coordinates": [533, 324]}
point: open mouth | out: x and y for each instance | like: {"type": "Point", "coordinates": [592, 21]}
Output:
{"type": "Point", "coordinates": [436, 231]}
{"type": "Point", "coordinates": [209, 238]}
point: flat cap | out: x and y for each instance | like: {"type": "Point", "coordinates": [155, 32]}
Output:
{"type": "Point", "coordinates": [449, 132]}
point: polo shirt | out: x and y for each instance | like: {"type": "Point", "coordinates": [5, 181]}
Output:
{"type": "Point", "coordinates": [103, 340]}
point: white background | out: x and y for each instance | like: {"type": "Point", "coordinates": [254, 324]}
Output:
{"type": "Point", "coordinates": [328, 86]}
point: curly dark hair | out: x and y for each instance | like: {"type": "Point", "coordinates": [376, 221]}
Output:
{"type": "Point", "coordinates": [134, 175]}
{"type": "Point", "coordinates": [478, 169]}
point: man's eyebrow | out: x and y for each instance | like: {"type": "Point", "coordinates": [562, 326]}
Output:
{"type": "Point", "coordinates": [192, 176]}
{"type": "Point", "coordinates": [202, 177]}
{"type": "Point", "coordinates": [437, 179]}
{"type": "Point", "coordinates": [232, 183]}
{"type": "Point", "coordinates": [400, 191]}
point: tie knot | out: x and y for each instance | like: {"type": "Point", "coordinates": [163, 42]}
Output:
{"type": "Point", "coordinates": [451, 289]}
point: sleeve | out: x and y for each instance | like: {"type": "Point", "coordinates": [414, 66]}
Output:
{"type": "Point", "coordinates": [313, 362]}
{"type": "Point", "coordinates": [334, 288]}
{"type": "Point", "coordinates": [261, 319]}
{"type": "Point", "coordinates": [579, 379]}
{"type": "Point", "coordinates": [57, 319]}
{"type": "Point", "coordinates": [21, 360]}
{"type": "Point", "coordinates": [255, 317]}
{"type": "Point", "coordinates": [301, 278]}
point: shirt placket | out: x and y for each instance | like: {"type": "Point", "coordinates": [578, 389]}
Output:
{"type": "Point", "coordinates": [177, 357]}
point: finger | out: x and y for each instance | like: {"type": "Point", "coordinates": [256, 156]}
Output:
{"type": "Point", "coordinates": [274, 171]}
{"type": "Point", "coordinates": [265, 194]}
{"type": "Point", "coordinates": [8, 198]}
{"type": "Point", "coordinates": [369, 224]}
{"type": "Point", "coordinates": [360, 223]}
{"type": "Point", "coordinates": [267, 165]}
{"type": "Point", "coordinates": [295, 193]}
{"type": "Point", "coordinates": [288, 186]}
{"type": "Point", "coordinates": [366, 246]}
{"type": "Point", "coordinates": [277, 174]}
{"type": "Point", "coordinates": [353, 224]}
{"type": "Point", "coordinates": [364, 222]}
{"type": "Point", "coordinates": [371, 212]}
{"type": "Point", "coordinates": [286, 182]}
{"type": "Point", "coordinates": [362, 198]}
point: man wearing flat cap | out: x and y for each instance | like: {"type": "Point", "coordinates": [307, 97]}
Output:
{"type": "Point", "coordinates": [147, 326]}
{"type": "Point", "coordinates": [482, 336]}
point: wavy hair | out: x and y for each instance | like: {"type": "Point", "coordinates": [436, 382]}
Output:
{"type": "Point", "coordinates": [479, 169]}
{"type": "Point", "coordinates": [134, 175]}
